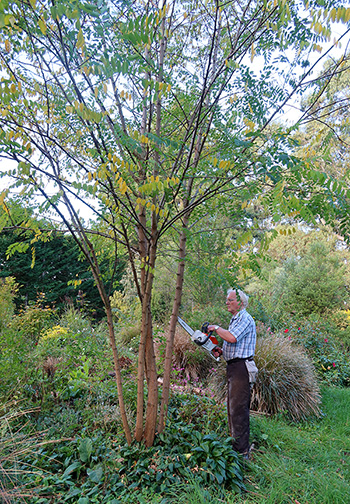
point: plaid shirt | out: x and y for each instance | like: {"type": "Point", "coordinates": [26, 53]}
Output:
{"type": "Point", "coordinates": [242, 326]}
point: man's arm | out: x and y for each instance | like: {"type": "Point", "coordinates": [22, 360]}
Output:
{"type": "Point", "coordinates": [223, 333]}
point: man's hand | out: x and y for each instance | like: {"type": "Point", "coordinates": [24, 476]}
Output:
{"type": "Point", "coordinates": [217, 351]}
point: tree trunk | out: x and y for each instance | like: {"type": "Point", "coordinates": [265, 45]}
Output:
{"type": "Point", "coordinates": [118, 375]}
{"type": "Point", "coordinates": [151, 375]}
{"type": "Point", "coordinates": [172, 327]}
{"type": "Point", "coordinates": [146, 350]}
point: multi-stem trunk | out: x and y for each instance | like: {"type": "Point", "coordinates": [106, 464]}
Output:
{"type": "Point", "coordinates": [172, 327]}
{"type": "Point", "coordinates": [146, 357]}
{"type": "Point", "coordinates": [118, 374]}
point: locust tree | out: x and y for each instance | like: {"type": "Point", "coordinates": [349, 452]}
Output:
{"type": "Point", "coordinates": [149, 113]}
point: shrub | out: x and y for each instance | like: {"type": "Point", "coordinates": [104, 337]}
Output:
{"type": "Point", "coordinates": [330, 359]}
{"type": "Point", "coordinates": [35, 319]}
{"type": "Point", "coordinates": [205, 457]}
{"type": "Point", "coordinates": [341, 331]}
{"type": "Point", "coordinates": [16, 363]}
{"type": "Point", "coordinates": [71, 354]}
{"type": "Point", "coordinates": [209, 313]}
{"type": "Point", "coordinates": [53, 340]}
{"type": "Point", "coordinates": [8, 290]}
{"type": "Point", "coordinates": [286, 380]}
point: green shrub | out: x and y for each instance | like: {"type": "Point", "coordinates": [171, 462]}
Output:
{"type": "Point", "coordinates": [8, 291]}
{"type": "Point", "coordinates": [286, 381]}
{"type": "Point", "coordinates": [16, 361]}
{"type": "Point", "coordinates": [341, 330]}
{"type": "Point", "coordinates": [35, 319]}
{"type": "Point", "coordinates": [206, 457]}
{"type": "Point", "coordinates": [331, 360]}
{"type": "Point", "coordinates": [208, 313]}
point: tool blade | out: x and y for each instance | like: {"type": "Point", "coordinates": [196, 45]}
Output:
{"type": "Point", "coordinates": [185, 326]}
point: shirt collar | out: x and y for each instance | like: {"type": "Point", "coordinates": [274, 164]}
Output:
{"type": "Point", "coordinates": [238, 314]}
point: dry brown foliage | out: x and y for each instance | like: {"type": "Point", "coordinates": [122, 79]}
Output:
{"type": "Point", "coordinates": [187, 356]}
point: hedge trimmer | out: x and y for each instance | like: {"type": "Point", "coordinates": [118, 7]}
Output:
{"type": "Point", "coordinates": [203, 338]}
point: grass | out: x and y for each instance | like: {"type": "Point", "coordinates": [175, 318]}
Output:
{"type": "Point", "coordinates": [306, 463]}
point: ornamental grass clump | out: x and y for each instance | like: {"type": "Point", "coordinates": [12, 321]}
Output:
{"type": "Point", "coordinates": [14, 447]}
{"type": "Point", "coordinates": [286, 381]}
{"type": "Point", "coordinates": [190, 362]}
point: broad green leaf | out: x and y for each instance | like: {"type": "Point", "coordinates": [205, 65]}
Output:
{"type": "Point", "coordinates": [85, 449]}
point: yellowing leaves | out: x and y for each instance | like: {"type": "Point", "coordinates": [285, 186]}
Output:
{"type": "Point", "coordinates": [3, 196]}
{"type": "Point", "coordinates": [80, 40]}
{"type": "Point", "coordinates": [42, 26]}
{"type": "Point", "coordinates": [122, 186]}
{"type": "Point", "coordinates": [340, 14]}
{"type": "Point", "coordinates": [223, 164]}
{"type": "Point", "coordinates": [250, 125]}
{"type": "Point", "coordinates": [125, 94]}
{"type": "Point", "coordinates": [7, 46]}
{"type": "Point", "coordinates": [252, 53]}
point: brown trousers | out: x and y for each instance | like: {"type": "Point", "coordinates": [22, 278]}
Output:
{"type": "Point", "coordinates": [238, 402]}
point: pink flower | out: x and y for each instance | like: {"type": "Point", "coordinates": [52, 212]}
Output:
{"type": "Point", "coordinates": [289, 337]}
{"type": "Point", "coordinates": [333, 364]}
{"type": "Point", "coordinates": [298, 328]}
{"type": "Point", "coordinates": [326, 340]}
{"type": "Point", "coordinates": [286, 330]}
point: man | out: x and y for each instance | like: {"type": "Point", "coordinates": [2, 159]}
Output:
{"type": "Point", "coordinates": [238, 347]}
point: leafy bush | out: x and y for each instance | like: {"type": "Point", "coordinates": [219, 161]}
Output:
{"type": "Point", "coordinates": [208, 458]}
{"type": "Point", "coordinates": [209, 313]}
{"type": "Point", "coordinates": [286, 380]}
{"type": "Point", "coordinates": [35, 319]}
{"type": "Point", "coordinates": [313, 283]}
{"type": "Point", "coordinates": [8, 291]}
{"type": "Point", "coordinates": [331, 361]}
{"type": "Point", "coordinates": [16, 361]}
{"type": "Point", "coordinates": [341, 331]}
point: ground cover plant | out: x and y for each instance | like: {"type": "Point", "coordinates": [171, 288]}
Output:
{"type": "Point", "coordinates": [62, 438]}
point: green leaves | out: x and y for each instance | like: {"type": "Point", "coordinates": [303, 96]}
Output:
{"type": "Point", "coordinates": [85, 449]}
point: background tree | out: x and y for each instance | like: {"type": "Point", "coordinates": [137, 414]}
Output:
{"type": "Point", "coordinates": [52, 264]}
{"type": "Point", "coordinates": [308, 273]}
{"type": "Point", "coordinates": [144, 113]}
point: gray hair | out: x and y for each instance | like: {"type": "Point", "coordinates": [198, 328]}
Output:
{"type": "Point", "coordinates": [242, 296]}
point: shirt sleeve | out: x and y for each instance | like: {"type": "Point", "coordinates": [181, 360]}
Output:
{"type": "Point", "coordinates": [239, 327]}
